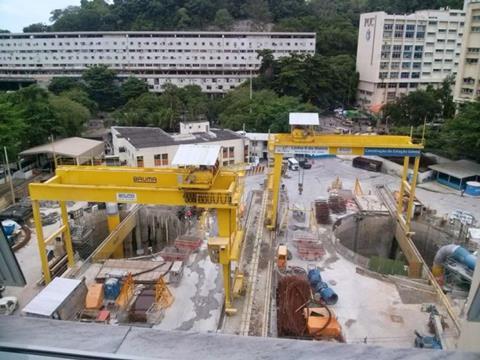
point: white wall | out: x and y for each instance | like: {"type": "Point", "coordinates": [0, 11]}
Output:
{"type": "Point", "coordinates": [148, 153]}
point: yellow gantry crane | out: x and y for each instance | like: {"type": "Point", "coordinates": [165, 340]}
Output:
{"type": "Point", "coordinates": [213, 188]}
{"type": "Point", "coordinates": [208, 187]}
{"type": "Point", "coordinates": [304, 140]}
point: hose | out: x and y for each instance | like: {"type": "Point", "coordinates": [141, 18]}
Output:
{"type": "Point", "coordinates": [154, 268]}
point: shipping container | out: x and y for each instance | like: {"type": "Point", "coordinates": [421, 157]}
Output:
{"type": "Point", "coordinates": [367, 164]}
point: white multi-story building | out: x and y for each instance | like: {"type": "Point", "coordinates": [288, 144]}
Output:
{"type": "Point", "coordinates": [400, 53]}
{"type": "Point", "coordinates": [215, 61]}
{"type": "Point", "coordinates": [467, 86]}
{"type": "Point", "coordinates": [153, 147]}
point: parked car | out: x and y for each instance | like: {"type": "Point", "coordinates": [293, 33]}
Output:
{"type": "Point", "coordinates": [293, 164]}
{"type": "Point", "coordinates": [8, 305]}
{"type": "Point", "coordinates": [305, 164]}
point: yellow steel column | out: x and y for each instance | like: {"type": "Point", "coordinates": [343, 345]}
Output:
{"type": "Point", "coordinates": [411, 198]}
{"type": "Point", "coordinates": [67, 237]}
{"type": "Point", "coordinates": [113, 220]}
{"type": "Point", "coordinates": [277, 178]}
{"type": "Point", "coordinates": [406, 161]}
{"type": "Point", "coordinates": [41, 241]}
{"type": "Point", "coordinates": [227, 224]}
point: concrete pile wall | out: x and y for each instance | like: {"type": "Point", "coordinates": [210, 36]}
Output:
{"type": "Point", "coordinates": [366, 235]}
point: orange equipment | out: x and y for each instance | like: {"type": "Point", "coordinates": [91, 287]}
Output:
{"type": "Point", "coordinates": [322, 323]}
{"type": "Point", "coordinates": [282, 257]}
{"type": "Point", "coordinates": [126, 293]}
{"type": "Point", "coordinates": [163, 296]}
{"type": "Point", "coordinates": [94, 299]}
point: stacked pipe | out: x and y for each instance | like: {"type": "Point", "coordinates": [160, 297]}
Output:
{"type": "Point", "coordinates": [321, 287]}
{"type": "Point", "coordinates": [322, 211]}
{"type": "Point", "coordinates": [293, 292]}
{"type": "Point", "coordinates": [337, 203]}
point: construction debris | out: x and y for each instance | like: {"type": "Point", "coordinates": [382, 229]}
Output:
{"type": "Point", "coordinates": [337, 203]}
{"type": "Point", "coordinates": [171, 253]}
{"type": "Point", "coordinates": [308, 246]}
{"type": "Point", "coordinates": [144, 271]}
{"type": "Point", "coordinates": [50, 218]}
{"type": "Point", "coordinates": [188, 243]}
{"type": "Point", "coordinates": [322, 211]}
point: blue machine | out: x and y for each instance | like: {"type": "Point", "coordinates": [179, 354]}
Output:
{"type": "Point", "coordinates": [464, 257]}
{"type": "Point", "coordinates": [112, 288]}
{"type": "Point", "coordinates": [427, 342]}
{"type": "Point", "coordinates": [321, 287]}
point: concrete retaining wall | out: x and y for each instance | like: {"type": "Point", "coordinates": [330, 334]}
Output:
{"type": "Point", "coordinates": [392, 168]}
{"type": "Point", "coordinates": [367, 235]}
{"type": "Point", "coordinates": [429, 239]}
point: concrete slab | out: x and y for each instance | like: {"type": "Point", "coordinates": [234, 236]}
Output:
{"type": "Point", "coordinates": [63, 334]}
{"type": "Point", "coordinates": [129, 342]}
{"type": "Point", "coordinates": [198, 297]}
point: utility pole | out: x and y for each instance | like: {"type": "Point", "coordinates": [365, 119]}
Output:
{"type": "Point", "coordinates": [7, 164]}
{"type": "Point", "coordinates": [251, 91]}
{"type": "Point", "coordinates": [53, 151]}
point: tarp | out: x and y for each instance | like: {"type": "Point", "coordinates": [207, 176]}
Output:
{"type": "Point", "coordinates": [196, 155]}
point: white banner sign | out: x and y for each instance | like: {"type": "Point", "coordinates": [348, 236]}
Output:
{"type": "Point", "coordinates": [306, 150]}
{"type": "Point", "coordinates": [344, 151]}
{"type": "Point", "coordinates": [126, 197]}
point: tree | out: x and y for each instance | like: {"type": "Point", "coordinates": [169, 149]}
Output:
{"type": "Point", "coordinates": [63, 83]}
{"type": "Point", "coordinates": [223, 19]}
{"type": "Point", "coordinates": [258, 11]}
{"type": "Point", "coordinates": [266, 111]}
{"type": "Point", "coordinates": [194, 102]}
{"type": "Point", "coordinates": [33, 106]}
{"type": "Point", "coordinates": [200, 11]}
{"type": "Point", "coordinates": [12, 127]}
{"type": "Point", "coordinates": [80, 96]}
{"type": "Point", "coordinates": [70, 116]}
{"type": "Point", "coordinates": [444, 95]}
{"type": "Point", "coordinates": [462, 134]}
{"type": "Point", "coordinates": [413, 109]}
{"type": "Point", "coordinates": [132, 88]}
{"type": "Point", "coordinates": [38, 27]}
{"type": "Point", "coordinates": [281, 9]}
{"type": "Point", "coordinates": [144, 110]}
{"type": "Point", "coordinates": [267, 65]}
{"type": "Point", "coordinates": [183, 20]}
{"type": "Point", "coordinates": [326, 82]}
{"type": "Point", "coordinates": [101, 87]}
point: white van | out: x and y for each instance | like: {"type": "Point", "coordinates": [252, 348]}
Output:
{"type": "Point", "coordinates": [293, 164]}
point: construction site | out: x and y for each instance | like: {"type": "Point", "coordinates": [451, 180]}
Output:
{"type": "Point", "coordinates": [317, 244]}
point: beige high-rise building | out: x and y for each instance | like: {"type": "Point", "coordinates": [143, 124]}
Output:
{"type": "Point", "coordinates": [467, 86]}
{"type": "Point", "coordinates": [401, 53]}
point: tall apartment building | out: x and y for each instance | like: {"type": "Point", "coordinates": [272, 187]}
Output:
{"type": "Point", "coordinates": [216, 61]}
{"type": "Point", "coordinates": [467, 86]}
{"type": "Point", "coordinates": [400, 53]}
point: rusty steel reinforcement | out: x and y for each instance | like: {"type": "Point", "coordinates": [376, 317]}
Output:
{"type": "Point", "coordinates": [293, 293]}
